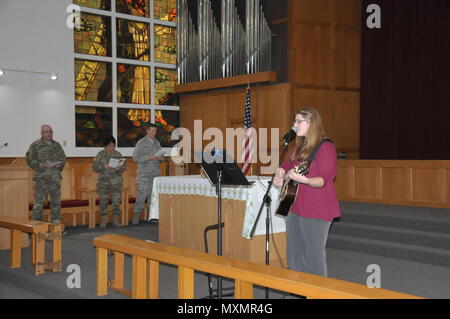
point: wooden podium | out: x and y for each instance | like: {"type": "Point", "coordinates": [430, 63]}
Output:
{"type": "Point", "coordinates": [183, 218]}
{"type": "Point", "coordinates": [13, 198]}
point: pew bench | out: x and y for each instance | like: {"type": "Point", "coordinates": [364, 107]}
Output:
{"type": "Point", "coordinates": [70, 204]}
{"type": "Point", "coordinates": [88, 189]}
{"type": "Point", "coordinates": [40, 232]}
{"type": "Point", "coordinates": [72, 207]}
{"type": "Point", "coordinates": [146, 257]}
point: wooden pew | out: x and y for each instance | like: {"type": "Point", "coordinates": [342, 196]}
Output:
{"type": "Point", "coordinates": [88, 184]}
{"type": "Point", "coordinates": [70, 204]}
{"type": "Point", "coordinates": [146, 257]}
{"type": "Point", "coordinates": [40, 232]}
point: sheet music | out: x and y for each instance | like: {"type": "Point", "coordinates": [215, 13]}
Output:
{"type": "Point", "coordinates": [160, 152]}
{"type": "Point", "coordinates": [114, 162]}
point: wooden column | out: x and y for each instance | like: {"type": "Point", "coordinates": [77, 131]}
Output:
{"type": "Point", "coordinates": [16, 249]}
{"type": "Point", "coordinates": [139, 278]}
{"type": "Point", "coordinates": [119, 261]}
{"type": "Point", "coordinates": [243, 290]}
{"type": "Point", "coordinates": [102, 271]}
{"type": "Point", "coordinates": [153, 268]}
{"type": "Point", "coordinates": [39, 254]}
{"type": "Point", "coordinates": [57, 247]}
{"type": "Point", "coordinates": [185, 283]}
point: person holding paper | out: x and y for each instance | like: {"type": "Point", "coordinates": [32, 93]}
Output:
{"type": "Point", "coordinates": [148, 153]}
{"type": "Point", "coordinates": [47, 158]}
{"type": "Point", "coordinates": [109, 165]}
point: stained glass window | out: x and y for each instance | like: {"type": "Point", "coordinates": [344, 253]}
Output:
{"type": "Point", "coordinates": [92, 125]}
{"type": "Point", "coordinates": [133, 84]}
{"type": "Point", "coordinates": [165, 81]}
{"type": "Point", "coordinates": [165, 44]}
{"type": "Point", "coordinates": [96, 4]}
{"type": "Point", "coordinates": [131, 102]}
{"type": "Point", "coordinates": [130, 124]}
{"type": "Point", "coordinates": [134, 7]}
{"type": "Point", "coordinates": [93, 36]}
{"type": "Point", "coordinates": [93, 81]}
{"type": "Point", "coordinates": [166, 10]}
{"type": "Point", "coordinates": [166, 122]}
{"type": "Point", "coordinates": [133, 40]}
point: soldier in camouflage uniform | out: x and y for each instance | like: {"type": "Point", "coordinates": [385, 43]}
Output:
{"type": "Point", "coordinates": [147, 159]}
{"type": "Point", "coordinates": [47, 158]}
{"type": "Point", "coordinates": [109, 181]}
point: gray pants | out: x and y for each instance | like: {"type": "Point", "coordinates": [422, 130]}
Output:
{"type": "Point", "coordinates": [144, 185]}
{"type": "Point", "coordinates": [306, 241]}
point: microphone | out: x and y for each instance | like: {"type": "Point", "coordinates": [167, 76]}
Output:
{"type": "Point", "coordinates": [289, 135]}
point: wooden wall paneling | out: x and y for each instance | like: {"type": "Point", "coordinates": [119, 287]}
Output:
{"type": "Point", "coordinates": [324, 56]}
{"type": "Point", "coordinates": [271, 107]}
{"type": "Point", "coordinates": [346, 122]}
{"type": "Point", "coordinates": [274, 110]}
{"type": "Point", "coordinates": [348, 13]}
{"type": "Point", "coordinates": [322, 101]}
{"type": "Point", "coordinates": [236, 108]}
{"type": "Point", "coordinates": [348, 44]}
{"type": "Point", "coordinates": [410, 183]}
{"type": "Point", "coordinates": [396, 184]}
{"type": "Point", "coordinates": [215, 115]}
{"type": "Point", "coordinates": [13, 199]}
{"type": "Point", "coordinates": [344, 182]}
{"type": "Point", "coordinates": [317, 10]}
{"type": "Point", "coordinates": [447, 187]}
{"type": "Point", "coordinates": [428, 185]}
{"type": "Point", "coordinates": [312, 52]}
{"type": "Point", "coordinates": [366, 182]}
{"type": "Point", "coordinates": [348, 58]}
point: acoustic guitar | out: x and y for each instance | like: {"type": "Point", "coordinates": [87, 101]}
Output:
{"type": "Point", "coordinates": [289, 190]}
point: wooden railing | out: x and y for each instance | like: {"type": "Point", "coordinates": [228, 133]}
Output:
{"type": "Point", "coordinates": [147, 256]}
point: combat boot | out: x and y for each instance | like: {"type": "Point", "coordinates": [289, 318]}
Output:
{"type": "Point", "coordinates": [136, 218]}
{"type": "Point", "coordinates": [116, 221]}
{"type": "Point", "coordinates": [103, 221]}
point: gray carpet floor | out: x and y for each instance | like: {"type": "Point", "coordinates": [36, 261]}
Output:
{"type": "Point", "coordinates": [415, 278]}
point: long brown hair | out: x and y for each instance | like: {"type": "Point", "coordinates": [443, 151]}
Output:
{"type": "Point", "coordinates": [304, 145]}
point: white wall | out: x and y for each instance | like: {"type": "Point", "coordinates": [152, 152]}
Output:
{"type": "Point", "coordinates": [34, 37]}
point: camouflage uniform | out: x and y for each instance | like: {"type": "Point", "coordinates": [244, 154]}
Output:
{"type": "Point", "coordinates": [47, 181]}
{"type": "Point", "coordinates": [147, 170]}
{"type": "Point", "coordinates": [109, 181]}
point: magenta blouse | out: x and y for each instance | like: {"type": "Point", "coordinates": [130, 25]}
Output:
{"type": "Point", "coordinates": [312, 202]}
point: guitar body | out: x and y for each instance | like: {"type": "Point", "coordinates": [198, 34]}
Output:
{"type": "Point", "coordinates": [289, 191]}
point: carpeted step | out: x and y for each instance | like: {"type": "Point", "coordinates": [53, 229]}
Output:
{"type": "Point", "coordinates": [420, 223]}
{"type": "Point", "coordinates": [416, 253]}
{"type": "Point", "coordinates": [392, 234]}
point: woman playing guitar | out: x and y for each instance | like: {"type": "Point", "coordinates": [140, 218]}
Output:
{"type": "Point", "coordinates": [315, 205]}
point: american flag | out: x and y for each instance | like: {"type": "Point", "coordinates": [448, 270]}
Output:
{"type": "Point", "coordinates": [247, 143]}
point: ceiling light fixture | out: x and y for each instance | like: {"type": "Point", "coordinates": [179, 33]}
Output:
{"type": "Point", "coordinates": [53, 76]}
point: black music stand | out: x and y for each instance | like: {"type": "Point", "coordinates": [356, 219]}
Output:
{"type": "Point", "coordinates": [221, 170]}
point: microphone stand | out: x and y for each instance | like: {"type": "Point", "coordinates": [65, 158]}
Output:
{"type": "Point", "coordinates": [266, 202]}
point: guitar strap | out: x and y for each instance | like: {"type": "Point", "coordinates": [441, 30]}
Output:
{"type": "Point", "coordinates": [316, 149]}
